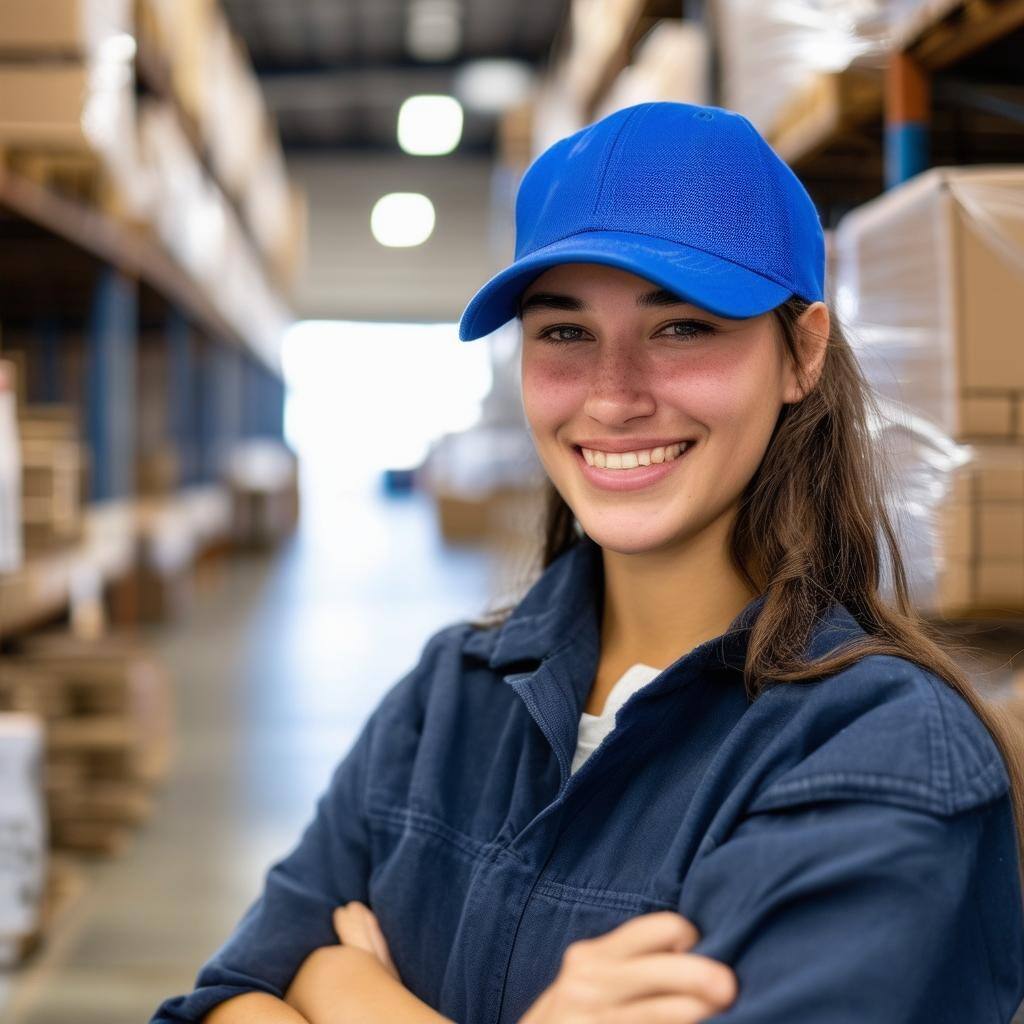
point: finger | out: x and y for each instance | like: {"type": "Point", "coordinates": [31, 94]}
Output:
{"type": "Point", "coordinates": [380, 943]}
{"type": "Point", "coordinates": [649, 933]}
{"type": "Point", "coordinates": [666, 1010]}
{"type": "Point", "coordinates": [678, 974]}
{"type": "Point", "coordinates": [350, 925]}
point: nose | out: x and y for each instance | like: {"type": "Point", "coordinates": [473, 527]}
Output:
{"type": "Point", "coordinates": [618, 384]}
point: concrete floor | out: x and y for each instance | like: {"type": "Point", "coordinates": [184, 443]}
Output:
{"type": "Point", "coordinates": [276, 665]}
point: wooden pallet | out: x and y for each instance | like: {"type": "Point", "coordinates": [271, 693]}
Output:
{"type": "Point", "coordinates": [106, 705]}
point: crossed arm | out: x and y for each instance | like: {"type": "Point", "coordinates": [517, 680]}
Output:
{"type": "Point", "coordinates": [352, 983]}
{"type": "Point", "coordinates": [335, 985]}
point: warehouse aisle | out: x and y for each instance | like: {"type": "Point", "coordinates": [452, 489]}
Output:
{"type": "Point", "coordinates": [277, 665]}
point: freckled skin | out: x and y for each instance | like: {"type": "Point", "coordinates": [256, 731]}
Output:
{"type": "Point", "coordinates": [628, 373]}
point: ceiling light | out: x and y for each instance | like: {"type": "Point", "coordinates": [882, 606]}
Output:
{"type": "Point", "coordinates": [429, 125]}
{"type": "Point", "coordinates": [402, 219]}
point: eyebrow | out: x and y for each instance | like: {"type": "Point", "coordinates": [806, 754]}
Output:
{"type": "Point", "coordinates": [571, 304]}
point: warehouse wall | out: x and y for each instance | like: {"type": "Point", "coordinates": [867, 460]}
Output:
{"type": "Point", "coordinates": [349, 275]}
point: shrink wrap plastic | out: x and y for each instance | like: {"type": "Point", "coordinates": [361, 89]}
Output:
{"type": "Point", "coordinates": [926, 279]}
{"type": "Point", "coordinates": [771, 49]}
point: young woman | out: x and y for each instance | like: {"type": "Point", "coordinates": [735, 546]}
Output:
{"type": "Point", "coordinates": [701, 770]}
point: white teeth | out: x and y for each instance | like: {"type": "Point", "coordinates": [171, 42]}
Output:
{"type": "Point", "coordinates": [630, 460]}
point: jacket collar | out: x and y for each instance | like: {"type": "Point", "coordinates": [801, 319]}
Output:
{"type": "Point", "coordinates": [564, 606]}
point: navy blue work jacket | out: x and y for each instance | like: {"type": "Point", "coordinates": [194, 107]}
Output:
{"type": "Point", "coordinates": [846, 846]}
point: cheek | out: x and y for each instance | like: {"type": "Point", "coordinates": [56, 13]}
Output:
{"type": "Point", "coordinates": [727, 391]}
{"type": "Point", "coordinates": [551, 390]}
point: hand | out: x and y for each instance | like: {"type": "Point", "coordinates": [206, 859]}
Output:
{"type": "Point", "coordinates": [636, 974]}
{"type": "Point", "coordinates": [347, 983]}
{"type": "Point", "coordinates": [357, 925]}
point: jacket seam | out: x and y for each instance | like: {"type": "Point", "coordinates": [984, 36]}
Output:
{"type": "Point", "coordinates": [618, 900]}
{"type": "Point", "coordinates": [945, 768]}
{"type": "Point", "coordinates": [871, 784]}
{"type": "Point", "coordinates": [864, 784]}
{"type": "Point", "coordinates": [419, 821]}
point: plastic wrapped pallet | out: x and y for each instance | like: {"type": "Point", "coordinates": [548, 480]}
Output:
{"type": "Point", "coordinates": [929, 273]}
{"type": "Point", "coordinates": [775, 53]}
{"type": "Point", "coordinates": [925, 279]}
{"type": "Point", "coordinates": [23, 832]}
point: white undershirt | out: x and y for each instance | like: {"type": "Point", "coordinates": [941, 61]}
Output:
{"type": "Point", "coordinates": [594, 728]}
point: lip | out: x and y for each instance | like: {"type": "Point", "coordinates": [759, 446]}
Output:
{"type": "Point", "coordinates": [628, 479]}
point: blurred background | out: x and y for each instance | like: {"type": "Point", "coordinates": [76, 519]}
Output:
{"type": "Point", "coordinates": [246, 466]}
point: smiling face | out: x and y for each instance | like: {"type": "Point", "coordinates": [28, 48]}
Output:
{"type": "Point", "coordinates": [610, 358]}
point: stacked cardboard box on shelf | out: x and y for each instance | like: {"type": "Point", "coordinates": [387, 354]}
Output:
{"type": "Point", "coordinates": [70, 120]}
{"type": "Point", "coordinates": [215, 86]}
{"type": "Point", "coordinates": [53, 467]}
{"type": "Point", "coordinates": [107, 713]}
{"type": "Point", "coordinates": [67, 99]}
{"type": "Point", "coordinates": [926, 280]}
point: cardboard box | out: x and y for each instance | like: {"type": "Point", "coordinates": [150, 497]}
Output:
{"type": "Point", "coordinates": [928, 276]}
{"type": "Point", "coordinates": [43, 103]}
{"type": "Point", "coordinates": [62, 27]}
{"type": "Point", "coordinates": [977, 551]}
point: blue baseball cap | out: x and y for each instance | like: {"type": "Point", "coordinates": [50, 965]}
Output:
{"type": "Point", "coordinates": [690, 197]}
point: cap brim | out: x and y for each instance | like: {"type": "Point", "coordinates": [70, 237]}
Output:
{"type": "Point", "coordinates": [707, 281]}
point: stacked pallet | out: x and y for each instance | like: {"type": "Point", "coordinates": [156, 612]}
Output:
{"type": "Point", "coordinates": [107, 713]}
{"type": "Point", "coordinates": [927, 277]}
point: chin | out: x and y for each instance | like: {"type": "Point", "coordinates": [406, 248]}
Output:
{"type": "Point", "coordinates": [626, 538]}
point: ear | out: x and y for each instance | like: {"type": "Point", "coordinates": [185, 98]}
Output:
{"type": "Point", "coordinates": [812, 330]}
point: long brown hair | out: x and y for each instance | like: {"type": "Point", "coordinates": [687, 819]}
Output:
{"type": "Point", "coordinates": [808, 533]}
